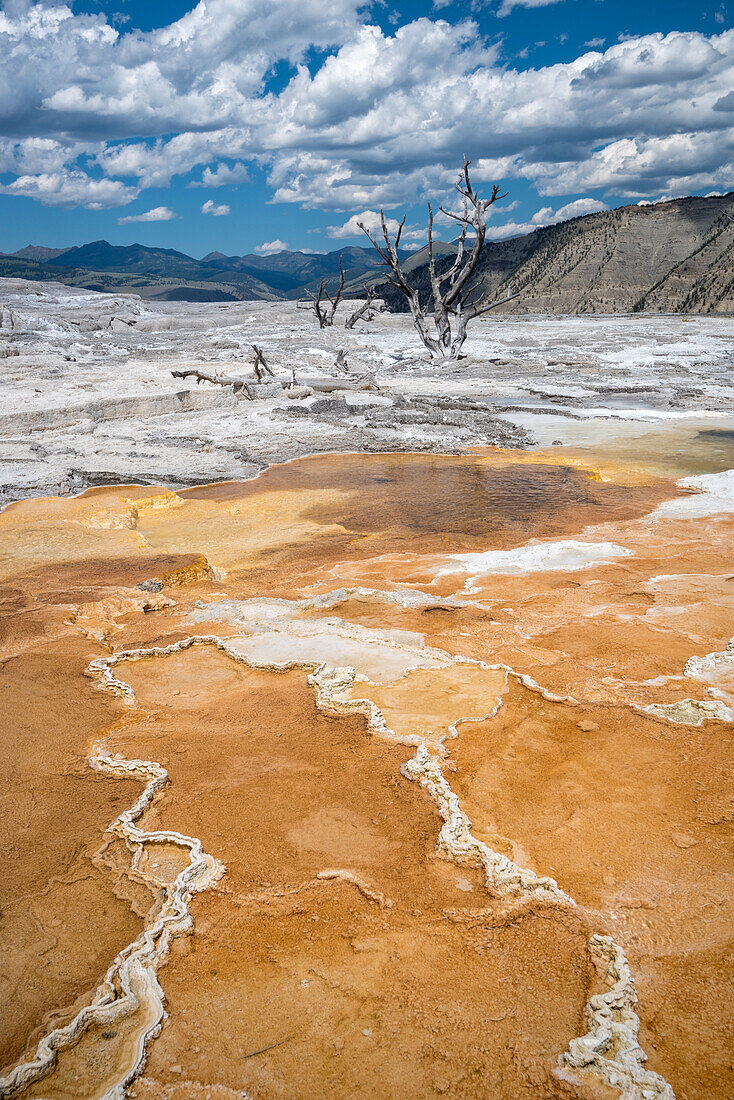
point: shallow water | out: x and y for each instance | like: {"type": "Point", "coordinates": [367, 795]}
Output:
{"type": "Point", "coordinates": [665, 447]}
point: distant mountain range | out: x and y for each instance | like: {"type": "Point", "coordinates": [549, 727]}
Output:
{"type": "Point", "coordinates": [675, 256]}
{"type": "Point", "coordinates": [167, 275]}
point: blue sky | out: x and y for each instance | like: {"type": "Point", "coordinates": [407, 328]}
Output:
{"type": "Point", "coordinates": [249, 124]}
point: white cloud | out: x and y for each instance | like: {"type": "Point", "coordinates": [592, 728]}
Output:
{"type": "Point", "coordinates": [154, 164]}
{"type": "Point", "coordinates": [372, 220]}
{"type": "Point", "coordinates": [578, 208]}
{"type": "Point", "coordinates": [544, 121]}
{"type": "Point", "coordinates": [594, 43]}
{"type": "Point", "coordinates": [216, 209]}
{"type": "Point", "coordinates": [271, 247]}
{"type": "Point", "coordinates": [79, 74]}
{"type": "Point", "coordinates": [223, 175]}
{"type": "Point", "coordinates": [638, 166]}
{"type": "Point", "coordinates": [546, 216]}
{"type": "Point", "coordinates": [507, 5]}
{"type": "Point", "coordinates": [28, 156]}
{"type": "Point", "coordinates": [382, 120]}
{"type": "Point", "coordinates": [157, 214]}
{"type": "Point", "coordinates": [72, 188]}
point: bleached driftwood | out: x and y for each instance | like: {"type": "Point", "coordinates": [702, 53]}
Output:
{"type": "Point", "coordinates": [239, 385]}
{"type": "Point", "coordinates": [252, 389]}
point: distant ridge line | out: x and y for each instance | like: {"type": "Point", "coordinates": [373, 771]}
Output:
{"type": "Point", "coordinates": [676, 256]}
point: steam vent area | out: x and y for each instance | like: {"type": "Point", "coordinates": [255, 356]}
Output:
{"type": "Point", "coordinates": [397, 775]}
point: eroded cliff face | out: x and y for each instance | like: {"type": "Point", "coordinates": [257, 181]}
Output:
{"type": "Point", "coordinates": [399, 773]}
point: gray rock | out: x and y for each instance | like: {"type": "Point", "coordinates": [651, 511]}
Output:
{"type": "Point", "coordinates": [150, 586]}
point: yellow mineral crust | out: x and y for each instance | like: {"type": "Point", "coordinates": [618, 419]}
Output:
{"type": "Point", "coordinates": [426, 795]}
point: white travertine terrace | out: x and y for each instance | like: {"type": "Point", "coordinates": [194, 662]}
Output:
{"type": "Point", "coordinates": [715, 494]}
{"type": "Point", "coordinates": [610, 1047]}
{"type": "Point", "coordinates": [691, 712]}
{"type": "Point", "coordinates": [709, 668]}
{"type": "Point", "coordinates": [702, 667]}
{"type": "Point", "coordinates": [119, 413]}
{"type": "Point", "coordinates": [455, 838]}
{"type": "Point", "coordinates": [534, 557]}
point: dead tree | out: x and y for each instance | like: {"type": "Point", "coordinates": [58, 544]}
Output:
{"type": "Point", "coordinates": [261, 367]}
{"type": "Point", "coordinates": [325, 312]}
{"type": "Point", "coordinates": [366, 310]}
{"type": "Point", "coordinates": [457, 299]}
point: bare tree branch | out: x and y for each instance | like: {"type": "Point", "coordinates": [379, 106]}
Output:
{"type": "Point", "coordinates": [364, 311]}
{"type": "Point", "coordinates": [341, 362]}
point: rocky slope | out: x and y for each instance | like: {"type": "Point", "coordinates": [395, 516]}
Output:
{"type": "Point", "coordinates": [675, 256]}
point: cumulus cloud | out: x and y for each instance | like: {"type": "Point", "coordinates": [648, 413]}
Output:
{"type": "Point", "coordinates": [223, 175]}
{"type": "Point", "coordinates": [79, 74]}
{"type": "Point", "coordinates": [382, 119]}
{"type": "Point", "coordinates": [271, 247]}
{"type": "Point", "coordinates": [578, 208]}
{"type": "Point", "coordinates": [28, 156]}
{"type": "Point", "coordinates": [72, 188]}
{"type": "Point", "coordinates": [157, 214]}
{"type": "Point", "coordinates": [216, 209]}
{"type": "Point", "coordinates": [543, 121]}
{"type": "Point", "coordinates": [372, 220]}
{"type": "Point", "coordinates": [546, 216]}
{"type": "Point", "coordinates": [633, 166]}
{"type": "Point", "coordinates": [155, 163]}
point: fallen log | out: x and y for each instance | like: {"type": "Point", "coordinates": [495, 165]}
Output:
{"type": "Point", "coordinates": [239, 385]}
{"type": "Point", "coordinates": [328, 385]}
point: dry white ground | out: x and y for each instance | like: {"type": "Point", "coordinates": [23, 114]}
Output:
{"type": "Point", "coordinates": [87, 395]}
